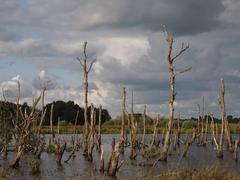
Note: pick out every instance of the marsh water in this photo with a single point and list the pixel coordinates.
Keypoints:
(80, 168)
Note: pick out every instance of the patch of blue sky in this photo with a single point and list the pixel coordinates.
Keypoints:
(11, 67)
(66, 77)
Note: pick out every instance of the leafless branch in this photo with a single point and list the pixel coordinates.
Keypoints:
(90, 67)
(184, 70)
(80, 61)
(183, 48)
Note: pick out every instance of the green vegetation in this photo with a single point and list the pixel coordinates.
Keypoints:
(116, 129)
(51, 149)
(151, 153)
(35, 166)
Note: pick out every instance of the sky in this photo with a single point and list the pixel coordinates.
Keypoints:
(40, 40)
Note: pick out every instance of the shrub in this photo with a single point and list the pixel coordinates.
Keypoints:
(51, 149)
(35, 166)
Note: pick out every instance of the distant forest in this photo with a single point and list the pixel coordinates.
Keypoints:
(66, 111)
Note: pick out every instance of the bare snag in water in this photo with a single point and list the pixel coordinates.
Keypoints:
(86, 70)
(173, 74)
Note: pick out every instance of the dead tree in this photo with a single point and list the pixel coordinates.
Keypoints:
(75, 123)
(51, 121)
(218, 142)
(23, 129)
(58, 126)
(189, 143)
(113, 164)
(144, 126)
(60, 150)
(99, 138)
(101, 168)
(154, 136)
(236, 150)
(91, 135)
(171, 59)
(205, 141)
(176, 143)
(133, 132)
(86, 70)
(222, 106)
(122, 142)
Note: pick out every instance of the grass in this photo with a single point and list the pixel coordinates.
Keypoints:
(51, 149)
(185, 174)
(116, 129)
(35, 166)
(151, 152)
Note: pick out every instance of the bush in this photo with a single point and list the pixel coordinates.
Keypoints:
(51, 149)
(35, 166)
(151, 153)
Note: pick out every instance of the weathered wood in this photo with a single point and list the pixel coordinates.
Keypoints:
(114, 159)
(224, 116)
(75, 123)
(154, 136)
(101, 169)
(123, 138)
(60, 150)
(236, 150)
(99, 137)
(90, 140)
(144, 126)
(133, 132)
(189, 143)
(51, 121)
(218, 143)
(86, 70)
(163, 156)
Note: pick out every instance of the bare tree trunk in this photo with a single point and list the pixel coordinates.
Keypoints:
(236, 150)
(51, 121)
(122, 142)
(189, 143)
(198, 128)
(206, 132)
(92, 134)
(58, 124)
(163, 156)
(99, 139)
(86, 70)
(113, 161)
(177, 136)
(154, 137)
(60, 151)
(223, 115)
(144, 126)
(218, 145)
(101, 169)
(75, 123)
(133, 132)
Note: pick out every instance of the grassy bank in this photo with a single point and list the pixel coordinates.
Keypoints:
(116, 129)
(185, 174)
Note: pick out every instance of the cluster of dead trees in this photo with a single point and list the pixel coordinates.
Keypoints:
(29, 140)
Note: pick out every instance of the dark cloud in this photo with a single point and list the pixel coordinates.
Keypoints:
(127, 40)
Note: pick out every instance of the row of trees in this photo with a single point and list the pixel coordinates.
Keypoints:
(65, 111)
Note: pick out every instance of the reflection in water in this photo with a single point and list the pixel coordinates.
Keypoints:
(79, 168)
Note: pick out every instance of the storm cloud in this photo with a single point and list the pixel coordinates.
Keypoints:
(128, 41)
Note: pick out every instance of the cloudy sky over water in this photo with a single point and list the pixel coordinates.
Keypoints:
(40, 40)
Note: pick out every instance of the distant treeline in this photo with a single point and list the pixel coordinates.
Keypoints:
(65, 111)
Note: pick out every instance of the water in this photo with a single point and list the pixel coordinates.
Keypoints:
(79, 168)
